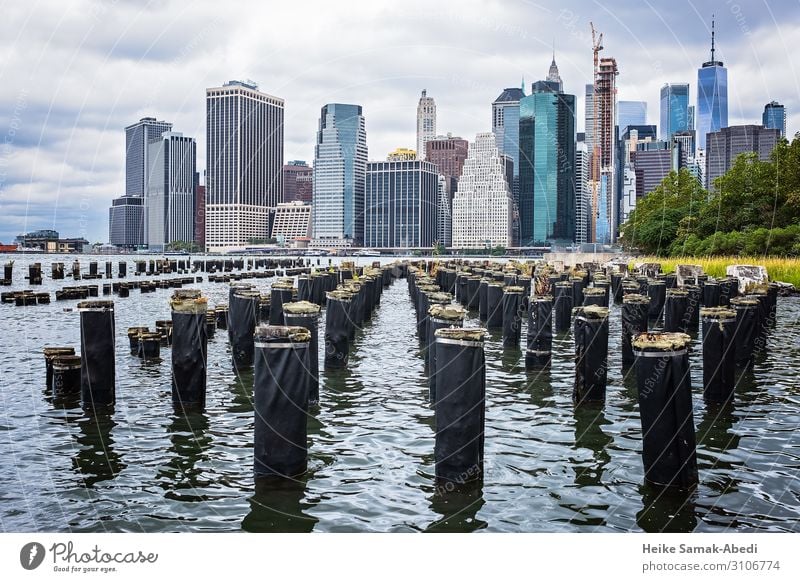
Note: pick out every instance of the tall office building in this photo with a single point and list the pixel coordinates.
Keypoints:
(426, 122)
(244, 162)
(631, 113)
(725, 145)
(674, 109)
(712, 96)
(444, 216)
(170, 203)
(126, 222)
(588, 119)
(582, 202)
(200, 216)
(774, 117)
(505, 126)
(547, 159)
(292, 221)
(449, 154)
(137, 165)
(401, 204)
(340, 167)
(482, 205)
(297, 181)
(630, 137)
(602, 181)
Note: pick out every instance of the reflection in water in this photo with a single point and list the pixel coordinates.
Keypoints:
(666, 510)
(242, 389)
(189, 440)
(278, 507)
(588, 435)
(342, 387)
(714, 440)
(458, 507)
(540, 385)
(96, 459)
(510, 360)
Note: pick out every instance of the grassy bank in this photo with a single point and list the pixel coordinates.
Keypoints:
(779, 269)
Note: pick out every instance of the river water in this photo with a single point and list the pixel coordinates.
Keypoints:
(549, 466)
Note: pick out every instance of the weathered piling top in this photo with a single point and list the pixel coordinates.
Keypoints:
(98, 305)
(464, 336)
(280, 335)
(592, 312)
(301, 308)
(718, 313)
(636, 298)
(339, 295)
(661, 342)
(190, 301)
(448, 312)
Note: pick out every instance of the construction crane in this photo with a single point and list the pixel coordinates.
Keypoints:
(597, 46)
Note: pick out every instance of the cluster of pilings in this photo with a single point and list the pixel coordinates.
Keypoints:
(657, 312)
(25, 297)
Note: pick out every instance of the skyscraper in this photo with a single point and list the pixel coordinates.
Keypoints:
(126, 222)
(712, 96)
(774, 117)
(444, 216)
(426, 122)
(297, 181)
(340, 167)
(725, 145)
(448, 153)
(170, 206)
(631, 113)
(244, 161)
(582, 203)
(547, 160)
(674, 109)
(401, 207)
(482, 205)
(602, 180)
(137, 137)
(629, 139)
(505, 126)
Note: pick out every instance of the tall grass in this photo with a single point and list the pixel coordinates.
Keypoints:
(778, 269)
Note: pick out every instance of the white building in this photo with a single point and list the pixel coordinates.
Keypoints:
(444, 216)
(292, 221)
(426, 122)
(582, 193)
(244, 161)
(482, 205)
(169, 209)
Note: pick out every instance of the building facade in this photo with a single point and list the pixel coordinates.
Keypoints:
(138, 137)
(244, 163)
(340, 167)
(170, 203)
(674, 109)
(605, 219)
(547, 174)
(774, 117)
(583, 208)
(426, 122)
(401, 154)
(292, 221)
(444, 216)
(298, 179)
(725, 145)
(631, 113)
(200, 216)
(402, 204)
(482, 205)
(712, 97)
(505, 126)
(126, 222)
(448, 153)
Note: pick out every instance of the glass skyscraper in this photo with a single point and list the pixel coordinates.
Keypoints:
(774, 117)
(547, 166)
(712, 97)
(631, 113)
(340, 167)
(674, 109)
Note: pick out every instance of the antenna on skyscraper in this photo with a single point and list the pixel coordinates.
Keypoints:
(712, 38)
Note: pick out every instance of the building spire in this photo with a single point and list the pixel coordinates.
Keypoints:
(712, 38)
(553, 75)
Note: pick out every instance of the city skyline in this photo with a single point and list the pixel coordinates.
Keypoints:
(64, 154)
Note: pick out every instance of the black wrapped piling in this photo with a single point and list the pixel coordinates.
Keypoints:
(540, 332)
(242, 317)
(149, 345)
(337, 332)
(440, 317)
(429, 299)
(280, 400)
(494, 305)
(694, 300)
(473, 297)
(635, 313)
(591, 353)
(728, 289)
(483, 298)
(577, 291)
(657, 292)
(306, 314)
(676, 306)
(357, 303)
(665, 406)
(264, 309)
(57, 271)
(164, 327)
(772, 293)
(280, 293)
(563, 294)
(304, 288)
(616, 287)
(98, 371)
(711, 293)
(122, 269)
(747, 330)
(66, 376)
(318, 288)
(512, 315)
(35, 273)
(133, 338)
(719, 353)
(595, 296)
(460, 405)
(8, 272)
(189, 349)
(50, 353)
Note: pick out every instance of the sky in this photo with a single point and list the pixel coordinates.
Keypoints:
(73, 74)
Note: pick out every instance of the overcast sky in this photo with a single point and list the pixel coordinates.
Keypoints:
(73, 74)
